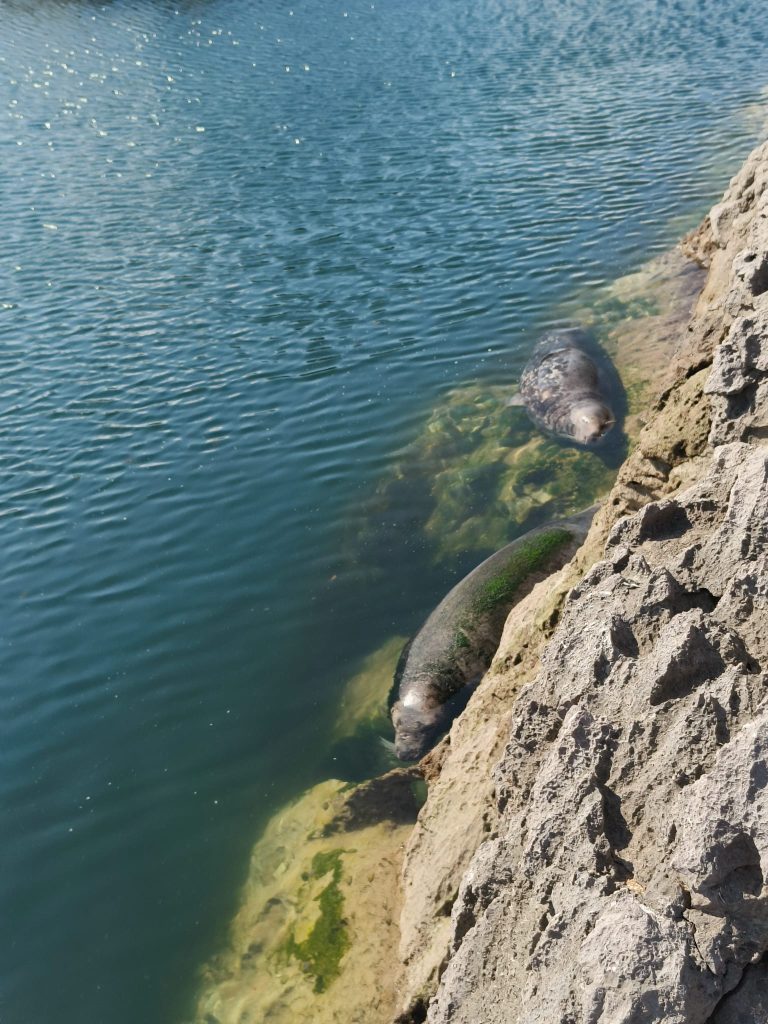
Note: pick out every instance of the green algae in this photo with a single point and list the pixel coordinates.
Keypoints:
(479, 473)
(637, 396)
(420, 791)
(461, 641)
(476, 635)
(530, 556)
(301, 946)
(612, 309)
(482, 473)
(512, 480)
(321, 952)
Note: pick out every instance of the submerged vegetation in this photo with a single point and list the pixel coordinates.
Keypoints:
(302, 947)
(321, 951)
(479, 473)
(358, 751)
(364, 710)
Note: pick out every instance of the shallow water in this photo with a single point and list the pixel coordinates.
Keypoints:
(245, 252)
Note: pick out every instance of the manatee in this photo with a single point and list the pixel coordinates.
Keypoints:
(440, 667)
(561, 389)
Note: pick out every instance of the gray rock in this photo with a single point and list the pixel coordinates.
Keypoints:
(626, 882)
(748, 1002)
(739, 382)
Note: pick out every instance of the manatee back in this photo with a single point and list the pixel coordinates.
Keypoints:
(553, 341)
(560, 376)
(560, 367)
(461, 635)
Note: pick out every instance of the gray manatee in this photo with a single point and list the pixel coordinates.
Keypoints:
(561, 389)
(443, 663)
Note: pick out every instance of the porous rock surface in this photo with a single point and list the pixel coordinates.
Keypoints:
(599, 815)
(626, 882)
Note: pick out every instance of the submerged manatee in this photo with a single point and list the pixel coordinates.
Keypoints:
(561, 389)
(438, 670)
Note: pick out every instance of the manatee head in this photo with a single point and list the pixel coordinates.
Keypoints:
(590, 419)
(416, 729)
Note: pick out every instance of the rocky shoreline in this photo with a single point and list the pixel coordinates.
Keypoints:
(594, 841)
(621, 877)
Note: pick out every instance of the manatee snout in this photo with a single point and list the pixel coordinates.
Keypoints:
(416, 729)
(591, 420)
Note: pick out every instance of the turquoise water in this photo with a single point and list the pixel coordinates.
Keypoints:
(246, 249)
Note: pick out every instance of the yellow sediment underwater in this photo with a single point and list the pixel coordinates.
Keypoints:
(364, 698)
(319, 904)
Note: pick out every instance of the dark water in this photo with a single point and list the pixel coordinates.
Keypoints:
(245, 249)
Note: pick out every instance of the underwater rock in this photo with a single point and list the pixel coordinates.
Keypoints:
(361, 745)
(479, 469)
(502, 476)
(320, 903)
(455, 645)
(364, 700)
(562, 391)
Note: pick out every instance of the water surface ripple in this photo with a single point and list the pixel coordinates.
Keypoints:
(246, 248)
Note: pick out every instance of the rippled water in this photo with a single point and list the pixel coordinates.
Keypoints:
(245, 250)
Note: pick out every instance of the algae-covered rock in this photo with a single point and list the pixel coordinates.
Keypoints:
(320, 941)
(361, 746)
(480, 473)
(512, 480)
(320, 902)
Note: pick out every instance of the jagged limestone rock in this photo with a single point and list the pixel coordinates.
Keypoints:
(646, 688)
(748, 1002)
